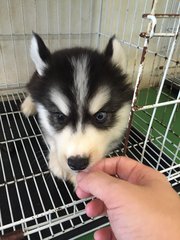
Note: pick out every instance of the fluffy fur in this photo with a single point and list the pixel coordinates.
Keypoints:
(83, 101)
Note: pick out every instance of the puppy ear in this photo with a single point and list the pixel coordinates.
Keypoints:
(115, 52)
(40, 54)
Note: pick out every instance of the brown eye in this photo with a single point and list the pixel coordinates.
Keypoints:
(60, 117)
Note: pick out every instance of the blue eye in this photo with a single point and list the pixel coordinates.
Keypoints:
(101, 117)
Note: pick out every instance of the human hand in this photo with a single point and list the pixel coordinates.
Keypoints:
(139, 201)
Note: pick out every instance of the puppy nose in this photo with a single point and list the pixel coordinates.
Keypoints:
(78, 163)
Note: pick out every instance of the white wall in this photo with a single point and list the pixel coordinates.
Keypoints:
(65, 23)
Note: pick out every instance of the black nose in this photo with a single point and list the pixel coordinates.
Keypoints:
(78, 163)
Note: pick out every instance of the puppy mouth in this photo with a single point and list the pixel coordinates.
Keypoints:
(80, 170)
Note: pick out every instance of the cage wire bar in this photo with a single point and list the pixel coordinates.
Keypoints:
(148, 36)
(150, 33)
(51, 217)
(160, 90)
(33, 203)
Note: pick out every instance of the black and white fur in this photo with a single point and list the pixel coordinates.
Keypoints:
(83, 101)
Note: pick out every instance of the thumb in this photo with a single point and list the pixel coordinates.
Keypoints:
(100, 185)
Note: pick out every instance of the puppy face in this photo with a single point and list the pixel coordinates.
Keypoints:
(83, 102)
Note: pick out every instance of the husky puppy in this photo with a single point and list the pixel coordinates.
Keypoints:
(82, 98)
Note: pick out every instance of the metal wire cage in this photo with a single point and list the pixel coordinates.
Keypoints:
(33, 203)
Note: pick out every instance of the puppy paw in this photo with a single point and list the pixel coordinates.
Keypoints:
(28, 107)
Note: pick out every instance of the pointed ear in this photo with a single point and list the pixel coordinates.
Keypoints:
(40, 54)
(115, 52)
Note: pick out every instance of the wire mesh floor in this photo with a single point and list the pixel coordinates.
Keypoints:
(32, 200)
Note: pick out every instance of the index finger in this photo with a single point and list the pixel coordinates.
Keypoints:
(127, 169)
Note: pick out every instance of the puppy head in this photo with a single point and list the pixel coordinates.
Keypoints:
(83, 101)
